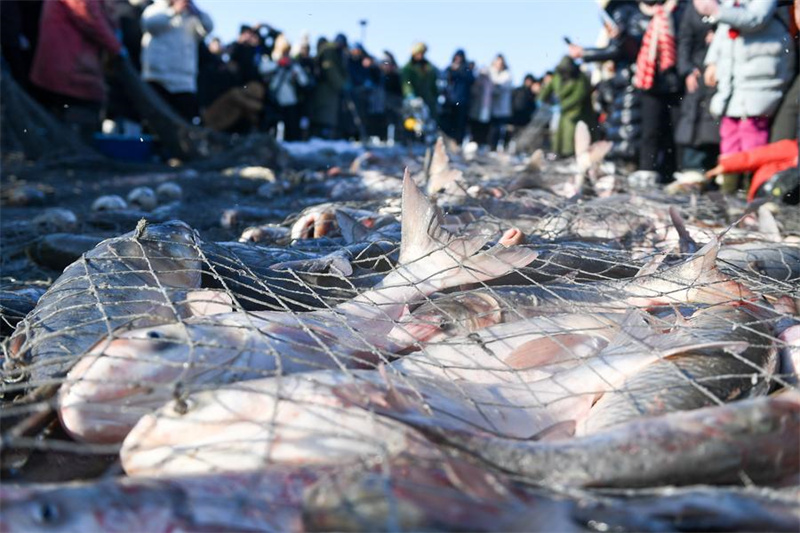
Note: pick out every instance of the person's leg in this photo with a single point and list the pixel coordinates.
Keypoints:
(730, 142)
(753, 132)
(652, 114)
(291, 120)
(670, 152)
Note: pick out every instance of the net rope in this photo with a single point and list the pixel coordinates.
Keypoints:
(283, 380)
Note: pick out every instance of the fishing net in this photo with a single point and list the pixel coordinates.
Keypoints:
(627, 365)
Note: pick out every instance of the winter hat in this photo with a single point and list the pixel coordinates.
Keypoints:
(418, 48)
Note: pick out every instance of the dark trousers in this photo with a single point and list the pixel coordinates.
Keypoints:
(454, 121)
(497, 131)
(479, 131)
(701, 158)
(657, 152)
(185, 104)
(290, 115)
(81, 116)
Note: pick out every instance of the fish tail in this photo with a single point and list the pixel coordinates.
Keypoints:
(429, 253)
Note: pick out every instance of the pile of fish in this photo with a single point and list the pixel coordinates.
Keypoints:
(485, 343)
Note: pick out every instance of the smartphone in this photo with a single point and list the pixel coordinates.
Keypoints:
(567, 40)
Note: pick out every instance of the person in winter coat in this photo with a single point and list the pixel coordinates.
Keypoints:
(523, 101)
(480, 107)
(374, 96)
(657, 78)
(393, 86)
(697, 131)
(286, 80)
(787, 119)
(573, 91)
(332, 76)
(419, 79)
(750, 61)
(502, 86)
(458, 78)
(68, 63)
(172, 32)
(620, 100)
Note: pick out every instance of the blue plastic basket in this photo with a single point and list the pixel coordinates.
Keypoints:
(125, 147)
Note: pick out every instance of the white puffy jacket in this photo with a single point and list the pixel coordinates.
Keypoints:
(169, 46)
(753, 68)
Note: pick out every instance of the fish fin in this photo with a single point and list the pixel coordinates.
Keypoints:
(549, 350)
(207, 302)
(560, 430)
(439, 162)
(599, 150)
(440, 175)
(767, 223)
(473, 480)
(334, 263)
(357, 163)
(302, 226)
(687, 244)
(535, 161)
(352, 230)
(583, 140)
(429, 253)
(651, 266)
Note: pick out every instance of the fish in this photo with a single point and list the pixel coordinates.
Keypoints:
(15, 304)
(756, 439)
(140, 369)
(234, 217)
(131, 278)
(59, 250)
(434, 491)
(418, 490)
(696, 378)
(692, 282)
(339, 416)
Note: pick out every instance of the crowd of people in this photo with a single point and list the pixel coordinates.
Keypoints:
(675, 84)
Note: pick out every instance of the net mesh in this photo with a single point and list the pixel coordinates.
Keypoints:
(598, 375)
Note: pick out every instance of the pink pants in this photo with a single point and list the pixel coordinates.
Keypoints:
(742, 134)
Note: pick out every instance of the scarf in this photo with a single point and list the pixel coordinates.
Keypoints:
(658, 44)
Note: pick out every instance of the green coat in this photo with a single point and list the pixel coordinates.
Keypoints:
(574, 96)
(419, 79)
(328, 92)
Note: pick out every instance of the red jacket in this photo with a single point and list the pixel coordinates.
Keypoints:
(764, 161)
(72, 36)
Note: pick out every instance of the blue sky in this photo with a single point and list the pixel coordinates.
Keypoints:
(529, 33)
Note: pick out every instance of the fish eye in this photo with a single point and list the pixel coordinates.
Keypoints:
(47, 513)
(153, 334)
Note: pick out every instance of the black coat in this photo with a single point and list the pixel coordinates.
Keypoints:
(696, 126)
(617, 97)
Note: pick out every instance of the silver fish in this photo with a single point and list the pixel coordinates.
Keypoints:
(140, 369)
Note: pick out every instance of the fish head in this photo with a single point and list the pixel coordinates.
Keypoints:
(122, 378)
(87, 507)
(26, 509)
